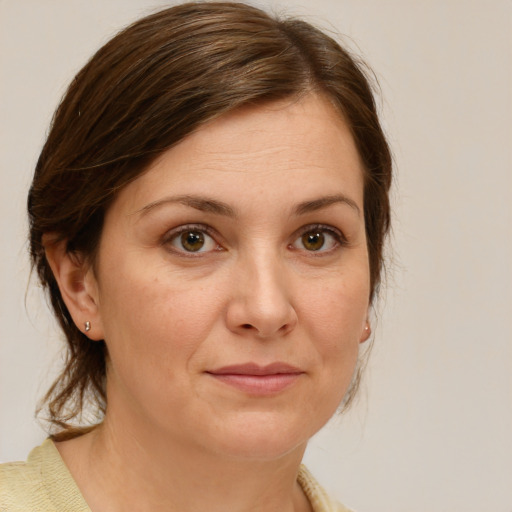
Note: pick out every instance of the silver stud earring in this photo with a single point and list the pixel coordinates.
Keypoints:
(87, 326)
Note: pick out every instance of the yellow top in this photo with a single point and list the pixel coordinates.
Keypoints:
(44, 484)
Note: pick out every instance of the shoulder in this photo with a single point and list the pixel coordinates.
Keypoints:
(21, 486)
(316, 494)
(41, 484)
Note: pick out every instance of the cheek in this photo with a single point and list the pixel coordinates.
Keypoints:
(338, 309)
(336, 314)
(151, 323)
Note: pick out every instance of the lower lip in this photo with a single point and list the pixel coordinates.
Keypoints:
(259, 384)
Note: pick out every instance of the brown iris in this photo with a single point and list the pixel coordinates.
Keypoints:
(192, 241)
(313, 240)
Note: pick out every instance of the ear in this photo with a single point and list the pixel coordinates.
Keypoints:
(367, 331)
(77, 285)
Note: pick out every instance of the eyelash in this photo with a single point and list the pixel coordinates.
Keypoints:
(339, 237)
(198, 228)
(173, 235)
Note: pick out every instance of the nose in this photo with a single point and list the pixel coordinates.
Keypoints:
(262, 300)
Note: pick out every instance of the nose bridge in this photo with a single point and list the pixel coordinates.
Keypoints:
(263, 302)
(266, 279)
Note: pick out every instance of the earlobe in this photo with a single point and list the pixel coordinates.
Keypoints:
(367, 332)
(77, 286)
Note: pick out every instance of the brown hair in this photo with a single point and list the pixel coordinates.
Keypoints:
(144, 91)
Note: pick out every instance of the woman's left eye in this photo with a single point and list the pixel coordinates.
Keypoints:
(192, 240)
(318, 239)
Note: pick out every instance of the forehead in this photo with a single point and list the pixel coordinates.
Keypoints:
(298, 146)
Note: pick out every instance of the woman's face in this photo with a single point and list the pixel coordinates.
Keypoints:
(232, 283)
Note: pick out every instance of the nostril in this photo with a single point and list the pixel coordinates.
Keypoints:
(246, 326)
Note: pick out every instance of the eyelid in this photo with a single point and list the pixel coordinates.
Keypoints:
(323, 227)
(172, 234)
(338, 235)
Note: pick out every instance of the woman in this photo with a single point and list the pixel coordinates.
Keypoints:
(208, 215)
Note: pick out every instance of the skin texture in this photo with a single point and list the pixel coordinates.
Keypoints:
(247, 190)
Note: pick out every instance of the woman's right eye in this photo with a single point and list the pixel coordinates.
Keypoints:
(192, 240)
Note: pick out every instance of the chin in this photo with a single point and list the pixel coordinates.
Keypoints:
(261, 448)
(262, 436)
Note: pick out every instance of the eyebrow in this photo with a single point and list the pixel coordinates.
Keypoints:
(205, 204)
(324, 202)
(199, 203)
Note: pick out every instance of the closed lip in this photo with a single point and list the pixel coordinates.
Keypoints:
(258, 380)
(257, 370)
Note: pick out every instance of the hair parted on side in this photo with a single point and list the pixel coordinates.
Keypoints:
(149, 87)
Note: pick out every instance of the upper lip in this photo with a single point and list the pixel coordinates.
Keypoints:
(256, 369)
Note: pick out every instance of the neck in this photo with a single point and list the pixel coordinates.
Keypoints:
(127, 468)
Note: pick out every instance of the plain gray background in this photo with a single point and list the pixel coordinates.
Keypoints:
(433, 427)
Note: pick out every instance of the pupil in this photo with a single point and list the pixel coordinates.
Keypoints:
(192, 240)
(313, 241)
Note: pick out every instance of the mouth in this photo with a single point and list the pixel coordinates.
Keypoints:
(258, 380)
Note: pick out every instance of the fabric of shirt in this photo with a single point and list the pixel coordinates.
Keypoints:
(44, 484)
